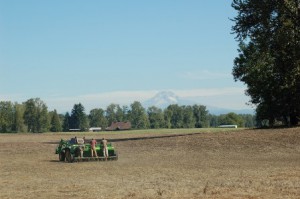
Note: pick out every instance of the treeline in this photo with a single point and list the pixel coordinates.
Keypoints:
(33, 116)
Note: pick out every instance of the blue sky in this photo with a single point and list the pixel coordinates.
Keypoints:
(99, 52)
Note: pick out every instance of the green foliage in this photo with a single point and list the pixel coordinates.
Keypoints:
(269, 56)
(201, 116)
(231, 119)
(242, 120)
(167, 118)
(114, 113)
(188, 117)
(97, 118)
(120, 114)
(213, 120)
(111, 113)
(78, 119)
(36, 116)
(248, 120)
(176, 113)
(19, 125)
(156, 117)
(55, 125)
(125, 112)
(7, 113)
(138, 116)
(66, 122)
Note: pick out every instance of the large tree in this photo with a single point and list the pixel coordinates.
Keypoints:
(201, 116)
(167, 118)
(66, 122)
(138, 116)
(111, 115)
(156, 117)
(231, 119)
(78, 119)
(97, 118)
(268, 32)
(6, 116)
(188, 117)
(19, 125)
(176, 116)
(55, 124)
(36, 115)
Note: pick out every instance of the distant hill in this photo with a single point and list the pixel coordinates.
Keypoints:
(165, 98)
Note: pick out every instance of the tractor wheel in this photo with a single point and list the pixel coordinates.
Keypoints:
(69, 156)
(77, 152)
(62, 156)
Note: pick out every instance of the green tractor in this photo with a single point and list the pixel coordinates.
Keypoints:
(77, 150)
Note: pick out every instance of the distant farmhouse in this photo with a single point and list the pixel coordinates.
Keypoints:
(115, 126)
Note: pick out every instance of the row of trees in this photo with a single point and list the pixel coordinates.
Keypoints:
(33, 116)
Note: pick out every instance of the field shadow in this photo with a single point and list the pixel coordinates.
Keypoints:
(55, 161)
(150, 137)
(134, 138)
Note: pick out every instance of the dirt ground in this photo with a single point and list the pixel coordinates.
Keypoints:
(240, 164)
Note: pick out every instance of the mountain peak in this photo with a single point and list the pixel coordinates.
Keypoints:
(166, 95)
(165, 98)
(162, 99)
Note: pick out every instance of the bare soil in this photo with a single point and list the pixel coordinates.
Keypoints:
(239, 164)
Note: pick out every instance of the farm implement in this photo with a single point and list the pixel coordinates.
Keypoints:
(75, 150)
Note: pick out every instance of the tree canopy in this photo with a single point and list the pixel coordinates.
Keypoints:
(268, 32)
(78, 118)
(55, 122)
(97, 118)
(36, 115)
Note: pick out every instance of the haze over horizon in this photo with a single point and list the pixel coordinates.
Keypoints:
(102, 52)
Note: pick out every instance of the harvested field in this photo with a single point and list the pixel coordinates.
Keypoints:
(238, 164)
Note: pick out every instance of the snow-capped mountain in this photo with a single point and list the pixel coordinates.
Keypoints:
(162, 100)
(165, 98)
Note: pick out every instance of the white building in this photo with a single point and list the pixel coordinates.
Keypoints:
(95, 129)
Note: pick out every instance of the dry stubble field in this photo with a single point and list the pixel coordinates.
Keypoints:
(238, 164)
